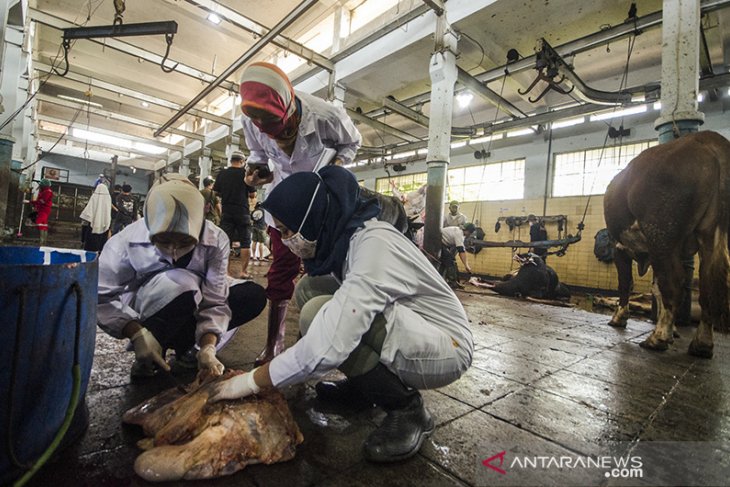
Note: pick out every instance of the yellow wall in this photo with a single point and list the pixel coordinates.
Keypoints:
(578, 267)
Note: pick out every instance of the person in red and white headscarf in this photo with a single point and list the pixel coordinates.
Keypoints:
(296, 132)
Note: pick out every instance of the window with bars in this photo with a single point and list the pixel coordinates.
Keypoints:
(488, 182)
(405, 183)
(484, 182)
(590, 171)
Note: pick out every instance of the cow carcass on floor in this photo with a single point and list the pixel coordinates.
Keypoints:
(671, 202)
(188, 438)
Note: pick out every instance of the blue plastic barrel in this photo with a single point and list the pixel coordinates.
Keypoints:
(48, 304)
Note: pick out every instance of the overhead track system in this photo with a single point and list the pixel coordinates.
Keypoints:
(247, 56)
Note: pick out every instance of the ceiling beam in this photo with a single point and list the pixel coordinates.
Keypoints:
(137, 95)
(260, 30)
(298, 11)
(80, 125)
(480, 89)
(130, 49)
(435, 5)
(114, 115)
(403, 110)
(378, 125)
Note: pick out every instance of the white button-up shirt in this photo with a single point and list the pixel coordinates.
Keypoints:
(130, 260)
(383, 273)
(452, 237)
(322, 125)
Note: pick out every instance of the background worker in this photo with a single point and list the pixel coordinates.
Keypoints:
(389, 339)
(42, 205)
(454, 218)
(231, 186)
(297, 132)
(452, 243)
(213, 208)
(163, 282)
(127, 209)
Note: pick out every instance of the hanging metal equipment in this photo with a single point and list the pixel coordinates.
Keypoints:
(168, 28)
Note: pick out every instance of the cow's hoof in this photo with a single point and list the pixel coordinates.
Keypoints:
(700, 350)
(617, 323)
(653, 344)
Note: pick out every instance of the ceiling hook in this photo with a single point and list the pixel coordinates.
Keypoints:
(168, 39)
(66, 47)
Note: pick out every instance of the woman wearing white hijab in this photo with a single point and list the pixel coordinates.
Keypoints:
(163, 281)
(97, 216)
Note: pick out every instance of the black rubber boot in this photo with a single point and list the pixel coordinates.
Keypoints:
(407, 424)
(343, 392)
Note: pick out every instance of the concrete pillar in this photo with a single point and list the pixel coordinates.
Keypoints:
(184, 167)
(205, 164)
(443, 78)
(680, 69)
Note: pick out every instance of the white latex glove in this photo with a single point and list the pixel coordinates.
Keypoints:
(235, 388)
(208, 361)
(147, 349)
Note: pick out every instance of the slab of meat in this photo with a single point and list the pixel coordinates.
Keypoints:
(191, 439)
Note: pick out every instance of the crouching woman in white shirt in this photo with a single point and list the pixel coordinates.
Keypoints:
(163, 282)
(372, 306)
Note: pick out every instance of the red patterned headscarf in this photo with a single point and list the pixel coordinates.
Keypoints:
(266, 87)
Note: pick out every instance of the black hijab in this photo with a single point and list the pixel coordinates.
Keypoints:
(336, 213)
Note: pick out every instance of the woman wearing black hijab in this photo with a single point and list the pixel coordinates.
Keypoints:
(372, 306)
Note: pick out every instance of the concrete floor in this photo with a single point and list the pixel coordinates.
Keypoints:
(545, 381)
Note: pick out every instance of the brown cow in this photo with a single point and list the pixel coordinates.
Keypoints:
(673, 200)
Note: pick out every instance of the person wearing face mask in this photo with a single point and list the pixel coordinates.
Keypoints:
(163, 282)
(295, 132)
(371, 305)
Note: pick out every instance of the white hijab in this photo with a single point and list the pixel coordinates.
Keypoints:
(174, 204)
(98, 211)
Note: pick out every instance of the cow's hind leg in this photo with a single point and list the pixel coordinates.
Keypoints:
(668, 276)
(714, 264)
(625, 283)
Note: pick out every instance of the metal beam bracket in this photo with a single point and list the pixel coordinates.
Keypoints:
(168, 28)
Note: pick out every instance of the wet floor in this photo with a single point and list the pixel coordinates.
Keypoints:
(546, 382)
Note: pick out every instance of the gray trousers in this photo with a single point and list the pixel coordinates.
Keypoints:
(311, 293)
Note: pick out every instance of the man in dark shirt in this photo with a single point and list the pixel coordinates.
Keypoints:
(236, 218)
(117, 191)
(537, 234)
(126, 209)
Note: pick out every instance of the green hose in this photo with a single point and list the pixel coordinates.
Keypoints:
(70, 411)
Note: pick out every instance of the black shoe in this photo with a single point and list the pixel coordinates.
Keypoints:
(341, 392)
(401, 434)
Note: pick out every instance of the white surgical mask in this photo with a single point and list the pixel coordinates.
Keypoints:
(174, 252)
(300, 246)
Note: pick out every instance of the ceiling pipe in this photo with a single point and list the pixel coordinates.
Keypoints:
(247, 56)
(715, 82)
(568, 49)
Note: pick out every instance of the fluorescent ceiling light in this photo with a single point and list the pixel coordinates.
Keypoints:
(517, 133)
(148, 148)
(103, 138)
(79, 100)
(144, 104)
(657, 105)
(486, 138)
(403, 155)
(456, 145)
(700, 97)
(569, 122)
(618, 113)
(214, 18)
(464, 98)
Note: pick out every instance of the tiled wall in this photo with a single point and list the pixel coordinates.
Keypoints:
(577, 267)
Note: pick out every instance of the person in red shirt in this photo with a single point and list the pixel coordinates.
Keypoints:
(42, 205)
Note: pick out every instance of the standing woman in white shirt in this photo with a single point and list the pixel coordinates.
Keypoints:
(371, 306)
(295, 132)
